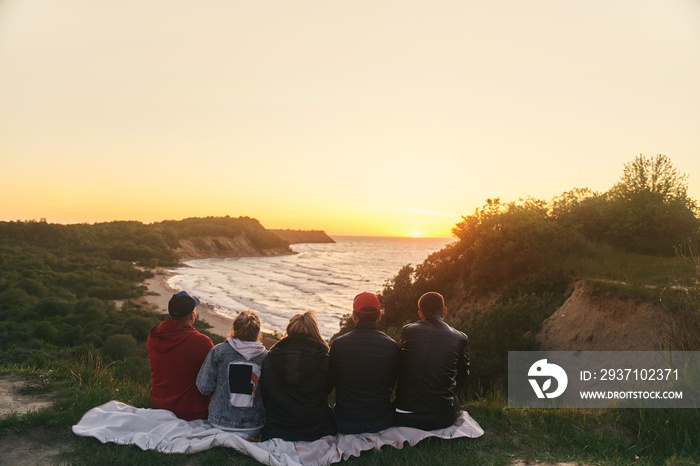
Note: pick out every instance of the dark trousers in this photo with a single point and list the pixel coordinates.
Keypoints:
(425, 421)
(364, 427)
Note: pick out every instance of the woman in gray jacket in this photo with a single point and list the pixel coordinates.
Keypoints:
(230, 372)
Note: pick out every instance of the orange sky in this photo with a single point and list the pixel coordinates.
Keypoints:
(364, 117)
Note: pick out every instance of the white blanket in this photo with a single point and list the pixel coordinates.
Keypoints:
(158, 429)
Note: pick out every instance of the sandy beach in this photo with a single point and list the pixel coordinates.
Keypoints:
(159, 294)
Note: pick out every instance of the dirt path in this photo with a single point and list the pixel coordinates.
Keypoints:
(38, 446)
(12, 401)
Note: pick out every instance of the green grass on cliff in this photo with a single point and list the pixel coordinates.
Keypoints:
(613, 436)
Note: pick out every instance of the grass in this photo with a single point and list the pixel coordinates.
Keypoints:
(671, 281)
(606, 264)
(611, 436)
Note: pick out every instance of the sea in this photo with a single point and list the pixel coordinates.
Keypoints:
(321, 277)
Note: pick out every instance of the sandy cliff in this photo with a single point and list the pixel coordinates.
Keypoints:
(303, 236)
(222, 246)
(593, 320)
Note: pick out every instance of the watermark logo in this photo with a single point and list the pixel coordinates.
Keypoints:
(541, 369)
(604, 379)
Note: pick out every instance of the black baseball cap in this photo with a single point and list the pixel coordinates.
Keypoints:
(181, 304)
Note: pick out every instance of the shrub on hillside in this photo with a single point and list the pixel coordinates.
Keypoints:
(119, 347)
(45, 331)
(500, 243)
(398, 299)
(138, 327)
(91, 310)
(506, 326)
(53, 306)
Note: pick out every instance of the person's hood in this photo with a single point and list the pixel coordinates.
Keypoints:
(247, 349)
(169, 334)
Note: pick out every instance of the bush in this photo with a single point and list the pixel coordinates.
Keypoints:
(15, 299)
(506, 326)
(346, 325)
(119, 347)
(109, 292)
(33, 287)
(138, 327)
(45, 331)
(90, 310)
(53, 306)
(504, 242)
(399, 299)
(92, 339)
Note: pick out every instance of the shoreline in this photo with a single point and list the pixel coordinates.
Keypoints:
(159, 293)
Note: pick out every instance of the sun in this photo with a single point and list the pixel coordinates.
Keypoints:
(415, 234)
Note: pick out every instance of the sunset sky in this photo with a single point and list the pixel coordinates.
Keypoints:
(355, 117)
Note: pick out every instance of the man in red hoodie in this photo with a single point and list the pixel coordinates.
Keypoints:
(176, 352)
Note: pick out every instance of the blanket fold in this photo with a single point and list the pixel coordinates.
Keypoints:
(161, 430)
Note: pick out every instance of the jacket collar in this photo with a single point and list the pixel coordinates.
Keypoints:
(367, 324)
(434, 318)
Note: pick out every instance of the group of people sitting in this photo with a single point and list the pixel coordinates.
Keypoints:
(240, 386)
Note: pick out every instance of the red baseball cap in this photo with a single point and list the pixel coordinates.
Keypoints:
(366, 300)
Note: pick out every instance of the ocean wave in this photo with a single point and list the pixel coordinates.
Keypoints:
(322, 277)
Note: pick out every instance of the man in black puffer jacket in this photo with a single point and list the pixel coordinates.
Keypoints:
(434, 362)
(364, 364)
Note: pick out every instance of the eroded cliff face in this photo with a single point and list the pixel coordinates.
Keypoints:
(240, 246)
(303, 236)
(592, 320)
(222, 246)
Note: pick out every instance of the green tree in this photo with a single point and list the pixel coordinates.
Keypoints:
(648, 211)
(500, 244)
(656, 176)
(399, 299)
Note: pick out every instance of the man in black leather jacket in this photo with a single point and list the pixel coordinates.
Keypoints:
(433, 362)
(364, 364)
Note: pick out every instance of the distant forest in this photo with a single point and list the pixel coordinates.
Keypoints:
(60, 284)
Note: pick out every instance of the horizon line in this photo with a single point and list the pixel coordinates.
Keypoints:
(44, 220)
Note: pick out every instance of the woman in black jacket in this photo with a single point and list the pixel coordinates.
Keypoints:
(295, 383)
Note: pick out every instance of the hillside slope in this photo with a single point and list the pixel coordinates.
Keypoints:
(222, 246)
(593, 320)
(303, 236)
